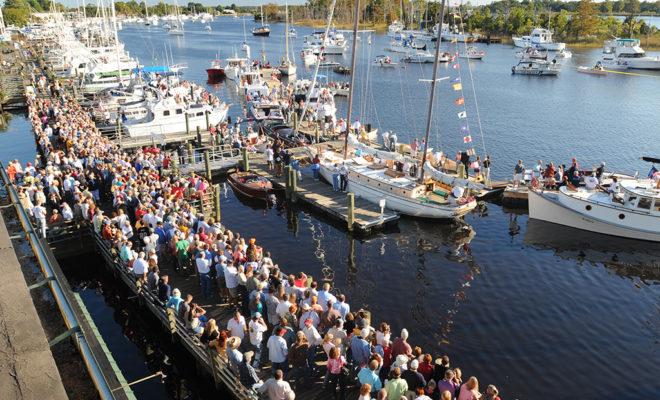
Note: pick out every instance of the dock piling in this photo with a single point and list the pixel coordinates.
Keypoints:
(207, 165)
(295, 121)
(293, 175)
(246, 159)
(461, 171)
(287, 182)
(208, 122)
(187, 124)
(199, 137)
(316, 133)
(191, 154)
(351, 211)
(216, 200)
(175, 164)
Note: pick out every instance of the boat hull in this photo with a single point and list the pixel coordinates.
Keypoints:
(214, 73)
(257, 191)
(548, 207)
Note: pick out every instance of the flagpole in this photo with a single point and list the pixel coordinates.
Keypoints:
(433, 82)
(352, 78)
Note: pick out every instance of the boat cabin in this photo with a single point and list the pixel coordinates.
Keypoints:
(641, 196)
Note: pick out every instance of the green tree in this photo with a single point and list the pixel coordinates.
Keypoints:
(16, 16)
(586, 20)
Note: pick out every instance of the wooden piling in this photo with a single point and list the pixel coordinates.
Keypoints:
(316, 133)
(175, 164)
(199, 137)
(191, 155)
(208, 121)
(351, 211)
(295, 121)
(187, 124)
(287, 182)
(207, 165)
(216, 198)
(246, 159)
(461, 171)
(293, 185)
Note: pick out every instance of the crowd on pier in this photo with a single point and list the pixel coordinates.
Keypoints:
(284, 323)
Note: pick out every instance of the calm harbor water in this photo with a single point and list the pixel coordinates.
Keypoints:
(539, 310)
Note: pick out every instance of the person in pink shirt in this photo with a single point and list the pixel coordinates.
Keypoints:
(470, 390)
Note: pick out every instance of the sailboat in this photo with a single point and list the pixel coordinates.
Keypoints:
(245, 47)
(292, 30)
(147, 21)
(264, 29)
(177, 25)
(287, 68)
(377, 175)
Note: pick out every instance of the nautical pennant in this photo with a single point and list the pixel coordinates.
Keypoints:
(462, 114)
(456, 54)
(470, 152)
(453, 40)
(457, 79)
(456, 66)
(465, 128)
(467, 139)
(460, 101)
(457, 86)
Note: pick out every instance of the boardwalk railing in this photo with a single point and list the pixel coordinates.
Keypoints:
(215, 364)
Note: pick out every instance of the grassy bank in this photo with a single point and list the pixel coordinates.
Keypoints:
(321, 23)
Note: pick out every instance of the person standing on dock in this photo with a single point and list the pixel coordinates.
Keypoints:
(203, 264)
(39, 213)
(277, 352)
(518, 171)
(486, 169)
(335, 177)
(343, 178)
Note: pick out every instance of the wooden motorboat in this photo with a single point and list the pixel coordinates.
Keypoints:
(250, 184)
(592, 71)
(340, 69)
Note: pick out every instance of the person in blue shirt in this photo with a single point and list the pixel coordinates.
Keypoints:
(175, 300)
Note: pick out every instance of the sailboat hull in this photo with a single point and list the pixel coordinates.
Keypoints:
(287, 69)
(261, 33)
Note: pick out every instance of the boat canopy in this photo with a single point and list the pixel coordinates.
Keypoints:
(153, 69)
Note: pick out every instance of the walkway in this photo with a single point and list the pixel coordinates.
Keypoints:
(28, 370)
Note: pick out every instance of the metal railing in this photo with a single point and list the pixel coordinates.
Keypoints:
(215, 364)
(56, 287)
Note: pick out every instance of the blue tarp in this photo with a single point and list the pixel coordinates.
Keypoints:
(158, 69)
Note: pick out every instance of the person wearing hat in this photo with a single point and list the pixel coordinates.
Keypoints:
(278, 351)
(308, 313)
(314, 339)
(233, 354)
(413, 378)
(247, 374)
(256, 328)
(277, 388)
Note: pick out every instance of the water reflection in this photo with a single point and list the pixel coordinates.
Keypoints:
(626, 258)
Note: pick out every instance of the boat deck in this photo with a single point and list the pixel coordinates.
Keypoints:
(321, 196)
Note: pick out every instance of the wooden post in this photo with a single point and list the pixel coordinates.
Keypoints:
(171, 317)
(246, 159)
(351, 216)
(191, 155)
(208, 121)
(218, 141)
(316, 133)
(287, 182)
(216, 197)
(295, 121)
(293, 184)
(175, 164)
(207, 165)
(187, 124)
(119, 130)
(461, 171)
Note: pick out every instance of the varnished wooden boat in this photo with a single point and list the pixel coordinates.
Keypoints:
(250, 184)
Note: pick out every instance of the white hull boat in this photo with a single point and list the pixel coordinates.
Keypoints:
(629, 53)
(165, 118)
(597, 212)
(540, 37)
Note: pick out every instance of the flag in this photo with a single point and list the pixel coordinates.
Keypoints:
(465, 128)
(470, 152)
(652, 172)
(458, 86)
(462, 114)
(460, 101)
(453, 40)
(474, 165)
(455, 4)
(456, 54)
(467, 139)
(457, 79)
(456, 66)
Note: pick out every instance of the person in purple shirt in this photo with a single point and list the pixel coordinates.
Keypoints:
(448, 384)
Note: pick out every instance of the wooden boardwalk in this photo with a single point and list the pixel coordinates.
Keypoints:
(323, 197)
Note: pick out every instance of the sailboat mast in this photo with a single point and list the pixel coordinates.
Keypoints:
(433, 82)
(286, 31)
(114, 22)
(352, 77)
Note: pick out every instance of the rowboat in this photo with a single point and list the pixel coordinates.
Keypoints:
(250, 184)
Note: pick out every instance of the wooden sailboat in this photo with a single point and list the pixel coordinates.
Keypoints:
(264, 29)
(287, 68)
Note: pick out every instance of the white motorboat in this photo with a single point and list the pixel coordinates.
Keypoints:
(632, 213)
(628, 51)
(451, 34)
(395, 28)
(472, 53)
(308, 56)
(419, 57)
(384, 61)
(532, 53)
(541, 37)
(167, 116)
(234, 66)
(535, 67)
(599, 71)
(563, 53)
(334, 43)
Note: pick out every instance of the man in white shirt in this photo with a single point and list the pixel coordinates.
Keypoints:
(308, 313)
(40, 215)
(283, 307)
(257, 327)
(276, 388)
(203, 263)
(236, 326)
(140, 266)
(231, 279)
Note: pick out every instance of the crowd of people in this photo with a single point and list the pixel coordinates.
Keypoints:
(286, 322)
